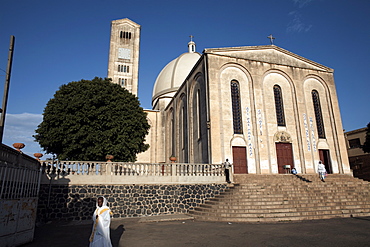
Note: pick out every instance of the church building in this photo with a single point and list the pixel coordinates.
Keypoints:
(264, 108)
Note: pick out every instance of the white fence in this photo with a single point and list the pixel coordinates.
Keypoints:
(92, 172)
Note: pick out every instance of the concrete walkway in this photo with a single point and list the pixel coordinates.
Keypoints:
(182, 230)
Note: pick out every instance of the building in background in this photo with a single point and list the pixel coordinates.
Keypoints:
(358, 160)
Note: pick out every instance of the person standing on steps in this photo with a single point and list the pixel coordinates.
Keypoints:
(227, 170)
(321, 170)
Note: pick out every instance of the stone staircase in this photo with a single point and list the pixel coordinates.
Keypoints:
(266, 198)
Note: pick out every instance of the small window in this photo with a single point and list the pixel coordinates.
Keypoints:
(128, 69)
(122, 82)
(354, 143)
(125, 35)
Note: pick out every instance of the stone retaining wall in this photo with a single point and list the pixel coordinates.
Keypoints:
(77, 202)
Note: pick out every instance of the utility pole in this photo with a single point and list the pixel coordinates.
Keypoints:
(6, 87)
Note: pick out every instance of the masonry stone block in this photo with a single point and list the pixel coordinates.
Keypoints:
(77, 202)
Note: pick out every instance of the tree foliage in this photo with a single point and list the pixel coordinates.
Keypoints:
(88, 119)
(366, 146)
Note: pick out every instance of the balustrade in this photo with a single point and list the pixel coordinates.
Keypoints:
(92, 172)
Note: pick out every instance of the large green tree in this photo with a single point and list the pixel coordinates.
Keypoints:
(88, 119)
(366, 146)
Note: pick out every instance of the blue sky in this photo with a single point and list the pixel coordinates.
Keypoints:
(62, 41)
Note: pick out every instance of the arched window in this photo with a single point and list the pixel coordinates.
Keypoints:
(237, 116)
(183, 130)
(279, 106)
(128, 69)
(318, 114)
(172, 134)
(119, 68)
(125, 35)
(198, 114)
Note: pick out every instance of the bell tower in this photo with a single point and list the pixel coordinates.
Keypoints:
(123, 61)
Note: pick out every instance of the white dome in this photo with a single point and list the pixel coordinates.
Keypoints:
(174, 73)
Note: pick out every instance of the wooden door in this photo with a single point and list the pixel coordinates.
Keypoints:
(240, 160)
(284, 155)
(325, 159)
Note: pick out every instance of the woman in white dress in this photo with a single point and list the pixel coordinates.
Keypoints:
(100, 236)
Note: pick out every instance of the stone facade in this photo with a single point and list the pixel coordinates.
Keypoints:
(123, 64)
(77, 202)
(199, 124)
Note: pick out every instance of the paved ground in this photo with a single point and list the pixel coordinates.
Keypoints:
(167, 231)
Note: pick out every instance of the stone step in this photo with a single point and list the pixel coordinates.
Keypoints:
(292, 194)
(304, 207)
(273, 197)
(333, 188)
(288, 197)
(301, 196)
(262, 209)
(308, 186)
(287, 202)
(275, 214)
(250, 178)
(312, 184)
(277, 219)
(253, 205)
(295, 191)
(318, 202)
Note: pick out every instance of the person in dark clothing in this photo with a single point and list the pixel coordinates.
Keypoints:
(227, 170)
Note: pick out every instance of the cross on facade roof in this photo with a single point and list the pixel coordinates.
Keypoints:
(271, 39)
